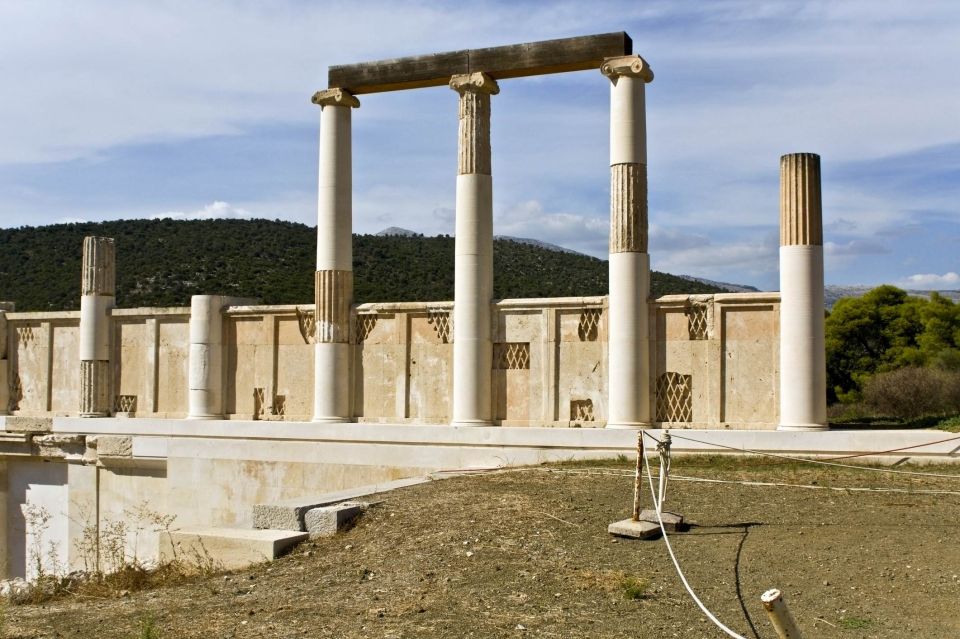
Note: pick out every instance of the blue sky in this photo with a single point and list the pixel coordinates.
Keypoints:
(140, 109)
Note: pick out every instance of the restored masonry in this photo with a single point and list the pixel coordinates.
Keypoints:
(211, 412)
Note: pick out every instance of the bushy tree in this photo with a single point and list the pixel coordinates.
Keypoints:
(886, 330)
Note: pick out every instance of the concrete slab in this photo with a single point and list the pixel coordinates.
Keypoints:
(634, 529)
(289, 514)
(672, 522)
(226, 548)
(327, 521)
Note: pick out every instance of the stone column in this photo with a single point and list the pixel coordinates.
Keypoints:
(473, 262)
(97, 290)
(334, 275)
(628, 323)
(803, 385)
(206, 357)
(5, 307)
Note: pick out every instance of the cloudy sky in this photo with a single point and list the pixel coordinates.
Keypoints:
(121, 109)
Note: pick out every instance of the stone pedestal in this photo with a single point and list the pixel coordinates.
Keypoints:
(98, 284)
(206, 355)
(473, 278)
(629, 339)
(803, 387)
(334, 275)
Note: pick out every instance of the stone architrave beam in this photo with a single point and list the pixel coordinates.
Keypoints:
(513, 61)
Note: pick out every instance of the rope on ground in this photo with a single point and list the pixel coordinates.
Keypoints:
(818, 461)
(676, 564)
(895, 450)
(742, 482)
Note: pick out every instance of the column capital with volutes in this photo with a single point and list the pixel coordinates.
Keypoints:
(335, 97)
(478, 82)
(628, 66)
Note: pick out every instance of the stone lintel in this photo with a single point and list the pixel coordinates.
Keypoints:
(512, 61)
(630, 66)
(335, 97)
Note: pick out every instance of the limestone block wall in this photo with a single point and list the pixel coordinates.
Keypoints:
(151, 348)
(43, 356)
(717, 360)
(713, 362)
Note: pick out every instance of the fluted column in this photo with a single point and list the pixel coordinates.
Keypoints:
(473, 264)
(628, 405)
(803, 385)
(98, 280)
(334, 276)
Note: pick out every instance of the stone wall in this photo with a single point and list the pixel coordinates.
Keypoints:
(714, 362)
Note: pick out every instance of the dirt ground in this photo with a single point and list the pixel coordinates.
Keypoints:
(526, 554)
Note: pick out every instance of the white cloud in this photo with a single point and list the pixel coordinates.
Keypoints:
(931, 281)
(216, 211)
(855, 247)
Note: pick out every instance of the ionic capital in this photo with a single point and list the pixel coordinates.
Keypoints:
(629, 66)
(335, 97)
(478, 82)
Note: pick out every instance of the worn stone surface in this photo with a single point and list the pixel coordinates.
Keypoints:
(475, 90)
(71, 447)
(279, 517)
(628, 208)
(226, 548)
(634, 529)
(20, 424)
(673, 522)
(801, 210)
(99, 266)
(114, 446)
(334, 293)
(327, 521)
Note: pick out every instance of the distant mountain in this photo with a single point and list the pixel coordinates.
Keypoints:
(726, 286)
(164, 262)
(397, 231)
(833, 292)
(541, 244)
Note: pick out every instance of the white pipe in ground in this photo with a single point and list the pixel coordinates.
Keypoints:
(780, 615)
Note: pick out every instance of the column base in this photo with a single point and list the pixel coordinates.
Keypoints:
(206, 417)
(332, 420)
(472, 423)
(629, 425)
(104, 414)
(799, 427)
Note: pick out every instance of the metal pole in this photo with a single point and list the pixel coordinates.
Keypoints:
(637, 477)
(780, 615)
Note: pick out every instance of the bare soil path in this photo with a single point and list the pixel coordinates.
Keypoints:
(526, 554)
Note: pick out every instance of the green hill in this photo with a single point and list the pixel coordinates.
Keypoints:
(164, 262)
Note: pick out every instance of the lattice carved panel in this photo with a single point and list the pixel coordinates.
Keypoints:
(589, 326)
(440, 321)
(697, 322)
(509, 356)
(364, 326)
(581, 410)
(125, 404)
(674, 397)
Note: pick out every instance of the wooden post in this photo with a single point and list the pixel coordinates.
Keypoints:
(780, 615)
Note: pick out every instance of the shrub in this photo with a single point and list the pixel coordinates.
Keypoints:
(912, 392)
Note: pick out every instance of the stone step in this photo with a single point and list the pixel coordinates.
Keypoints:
(226, 548)
(289, 514)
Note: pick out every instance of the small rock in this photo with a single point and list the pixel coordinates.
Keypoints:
(469, 554)
(520, 626)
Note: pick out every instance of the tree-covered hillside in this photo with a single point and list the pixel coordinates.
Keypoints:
(164, 262)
